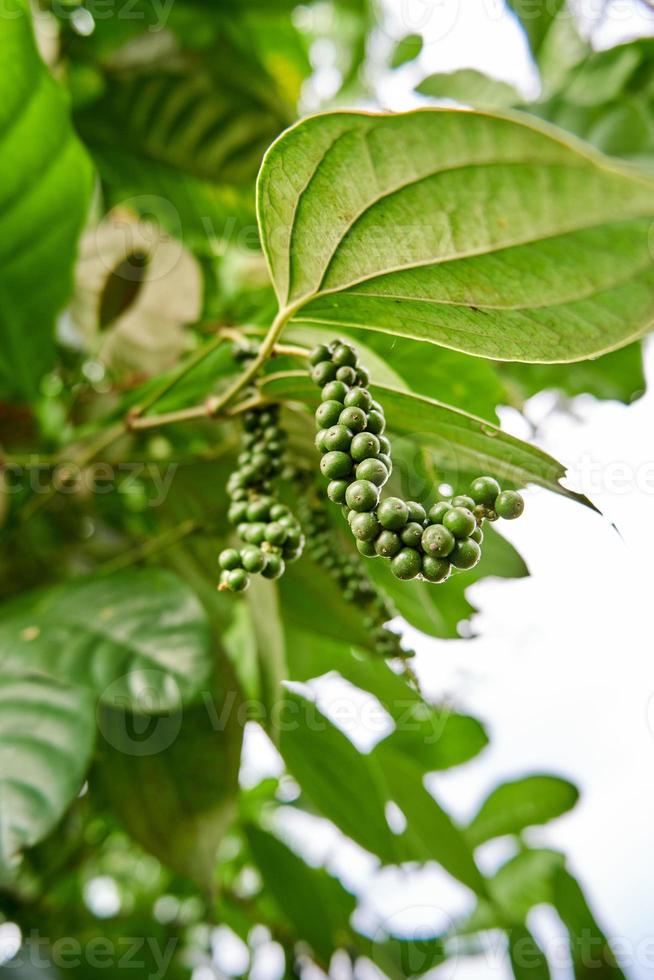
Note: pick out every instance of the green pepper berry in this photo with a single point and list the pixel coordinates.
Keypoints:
(276, 533)
(253, 559)
(318, 354)
(376, 422)
(337, 438)
(358, 398)
(237, 512)
(323, 372)
(435, 569)
(412, 534)
(365, 526)
(344, 356)
(347, 375)
(237, 580)
(393, 513)
(388, 544)
(362, 495)
(462, 500)
(229, 559)
(386, 460)
(277, 511)
(274, 567)
(336, 490)
(364, 445)
(335, 465)
(509, 505)
(437, 541)
(251, 421)
(366, 548)
(354, 418)
(466, 554)
(460, 521)
(406, 564)
(259, 510)
(334, 391)
(363, 377)
(255, 533)
(319, 440)
(327, 414)
(384, 445)
(484, 490)
(477, 535)
(417, 512)
(373, 470)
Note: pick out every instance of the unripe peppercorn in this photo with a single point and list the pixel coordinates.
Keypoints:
(460, 522)
(229, 559)
(365, 526)
(393, 513)
(484, 490)
(362, 495)
(373, 470)
(337, 438)
(509, 505)
(354, 418)
(406, 564)
(335, 465)
(466, 554)
(388, 544)
(364, 445)
(334, 391)
(437, 541)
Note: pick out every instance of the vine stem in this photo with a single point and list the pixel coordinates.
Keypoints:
(266, 349)
(211, 408)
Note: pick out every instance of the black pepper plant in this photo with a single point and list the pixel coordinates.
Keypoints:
(249, 378)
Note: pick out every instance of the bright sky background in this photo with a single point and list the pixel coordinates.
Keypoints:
(563, 669)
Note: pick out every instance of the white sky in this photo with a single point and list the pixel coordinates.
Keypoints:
(563, 671)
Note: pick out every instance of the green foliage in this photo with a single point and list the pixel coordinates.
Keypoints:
(46, 738)
(447, 273)
(142, 639)
(474, 259)
(45, 178)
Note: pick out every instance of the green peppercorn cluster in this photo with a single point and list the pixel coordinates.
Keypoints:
(349, 576)
(356, 459)
(271, 533)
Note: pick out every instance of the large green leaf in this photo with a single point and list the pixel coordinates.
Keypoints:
(46, 739)
(469, 86)
(590, 950)
(434, 736)
(537, 17)
(459, 441)
(342, 784)
(317, 905)
(528, 962)
(184, 137)
(491, 235)
(469, 383)
(430, 834)
(618, 375)
(172, 779)
(512, 807)
(140, 638)
(45, 186)
(440, 611)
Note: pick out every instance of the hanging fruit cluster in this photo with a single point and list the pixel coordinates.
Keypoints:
(271, 534)
(356, 459)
